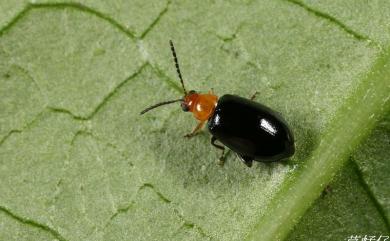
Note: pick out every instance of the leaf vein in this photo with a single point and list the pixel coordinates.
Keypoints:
(164, 199)
(370, 194)
(154, 23)
(28, 125)
(103, 102)
(331, 19)
(86, 9)
(32, 223)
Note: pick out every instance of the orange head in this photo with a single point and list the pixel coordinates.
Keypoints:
(201, 105)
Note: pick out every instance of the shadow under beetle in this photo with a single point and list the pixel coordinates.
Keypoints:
(253, 131)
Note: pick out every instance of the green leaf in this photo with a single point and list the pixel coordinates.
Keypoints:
(78, 162)
(357, 201)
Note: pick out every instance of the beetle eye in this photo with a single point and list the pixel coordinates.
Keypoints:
(184, 107)
(192, 92)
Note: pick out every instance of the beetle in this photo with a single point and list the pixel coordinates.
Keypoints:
(252, 130)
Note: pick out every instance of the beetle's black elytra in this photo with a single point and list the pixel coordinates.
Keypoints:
(250, 129)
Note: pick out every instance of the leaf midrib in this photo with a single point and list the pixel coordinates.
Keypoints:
(355, 119)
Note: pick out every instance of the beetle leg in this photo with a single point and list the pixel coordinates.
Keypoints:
(254, 95)
(195, 130)
(221, 158)
(211, 91)
(247, 160)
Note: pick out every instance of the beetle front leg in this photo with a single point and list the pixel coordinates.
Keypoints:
(221, 158)
(195, 130)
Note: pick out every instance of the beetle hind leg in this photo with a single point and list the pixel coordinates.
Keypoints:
(254, 95)
(221, 158)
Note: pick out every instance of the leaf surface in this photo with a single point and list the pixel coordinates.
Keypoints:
(78, 162)
(356, 201)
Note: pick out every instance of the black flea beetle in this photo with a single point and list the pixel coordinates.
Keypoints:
(252, 130)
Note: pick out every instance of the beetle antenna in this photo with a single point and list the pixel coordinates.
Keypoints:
(177, 66)
(159, 104)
